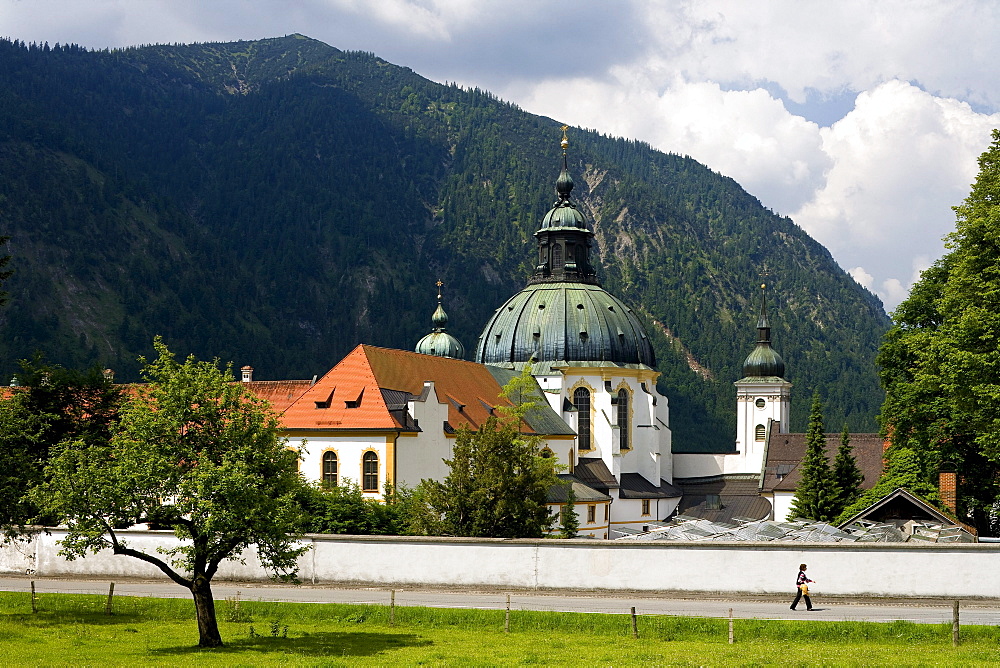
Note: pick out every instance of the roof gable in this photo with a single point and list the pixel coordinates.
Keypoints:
(902, 504)
(346, 397)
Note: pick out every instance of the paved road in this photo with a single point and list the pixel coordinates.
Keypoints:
(925, 611)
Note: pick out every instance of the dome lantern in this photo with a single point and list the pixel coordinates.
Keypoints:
(564, 239)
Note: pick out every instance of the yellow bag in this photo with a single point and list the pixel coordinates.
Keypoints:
(805, 589)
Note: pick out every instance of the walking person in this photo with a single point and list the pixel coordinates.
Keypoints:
(802, 588)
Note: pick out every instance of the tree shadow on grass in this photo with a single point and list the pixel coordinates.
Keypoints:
(311, 644)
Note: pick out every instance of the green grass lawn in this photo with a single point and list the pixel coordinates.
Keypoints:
(73, 630)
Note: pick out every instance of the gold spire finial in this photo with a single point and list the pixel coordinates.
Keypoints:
(439, 284)
(565, 140)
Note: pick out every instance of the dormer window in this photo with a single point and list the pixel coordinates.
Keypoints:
(325, 403)
(356, 403)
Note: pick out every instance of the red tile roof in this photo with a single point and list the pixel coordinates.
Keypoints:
(281, 393)
(349, 396)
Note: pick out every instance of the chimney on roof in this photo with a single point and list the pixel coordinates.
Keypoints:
(247, 373)
(948, 488)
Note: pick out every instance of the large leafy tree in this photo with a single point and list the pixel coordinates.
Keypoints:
(498, 478)
(816, 493)
(940, 363)
(196, 452)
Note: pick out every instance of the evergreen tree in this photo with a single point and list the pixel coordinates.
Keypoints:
(847, 477)
(816, 494)
(940, 363)
(569, 521)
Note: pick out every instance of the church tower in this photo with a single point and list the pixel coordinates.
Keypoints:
(762, 399)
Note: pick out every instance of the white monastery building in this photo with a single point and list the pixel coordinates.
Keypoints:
(388, 417)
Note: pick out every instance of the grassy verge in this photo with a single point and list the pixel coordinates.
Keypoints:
(73, 630)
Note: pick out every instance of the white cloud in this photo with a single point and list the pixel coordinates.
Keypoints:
(900, 160)
(862, 277)
(949, 47)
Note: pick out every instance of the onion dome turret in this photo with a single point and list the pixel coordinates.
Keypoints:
(763, 361)
(439, 342)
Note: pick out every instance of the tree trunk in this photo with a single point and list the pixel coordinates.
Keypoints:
(204, 605)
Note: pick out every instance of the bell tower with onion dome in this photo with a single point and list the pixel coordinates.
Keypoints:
(763, 397)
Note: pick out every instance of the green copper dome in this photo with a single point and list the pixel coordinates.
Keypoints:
(439, 342)
(564, 315)
(564, 322)
(763, 361)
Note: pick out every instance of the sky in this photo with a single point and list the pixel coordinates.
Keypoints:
(861, 121)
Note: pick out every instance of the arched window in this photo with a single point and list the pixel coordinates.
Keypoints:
(546, 453)
(330, 469)
(758, 433)
(623, 426)
(369, 472)
(557, 256)
(581, 401)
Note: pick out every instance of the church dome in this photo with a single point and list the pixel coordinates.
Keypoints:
(564, 315)
(439, 342)
(564, 322)
(764, 361)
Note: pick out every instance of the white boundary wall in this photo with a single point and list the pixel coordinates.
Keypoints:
(956, 570)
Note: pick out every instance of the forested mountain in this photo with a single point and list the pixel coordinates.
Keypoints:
(276, 202)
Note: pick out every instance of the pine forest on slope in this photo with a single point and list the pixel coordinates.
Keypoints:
(276, 202)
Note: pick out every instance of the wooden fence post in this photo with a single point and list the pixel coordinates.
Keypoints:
(635, 626)
(731, 639)
(954, 624)
(506, 618)
(111, 596)
(34, 605)
(392, 607)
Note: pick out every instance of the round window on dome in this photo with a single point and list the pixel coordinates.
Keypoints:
(760, 403)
